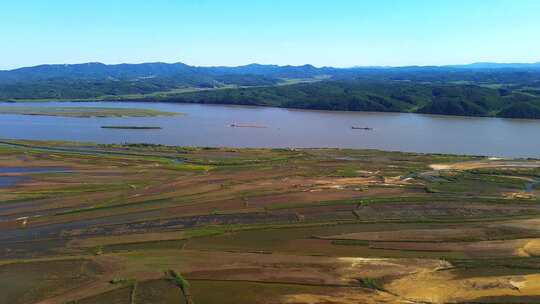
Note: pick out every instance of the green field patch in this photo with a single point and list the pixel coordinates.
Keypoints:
(350, 242)
(112, 206)
(236, 292)
(119, 295)
(33, 281)
(532, 263)
(359, 202)
(150, 245)
(371, 283)
(479, 184)
(160, 291)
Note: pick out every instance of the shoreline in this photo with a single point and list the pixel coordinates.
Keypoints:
(154, 101)
(84, 146)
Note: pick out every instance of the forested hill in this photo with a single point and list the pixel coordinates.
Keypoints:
(387, 96)
(480, 89)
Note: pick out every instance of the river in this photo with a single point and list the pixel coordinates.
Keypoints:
(210, 125)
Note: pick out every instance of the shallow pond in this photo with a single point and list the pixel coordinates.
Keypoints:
(12, 180)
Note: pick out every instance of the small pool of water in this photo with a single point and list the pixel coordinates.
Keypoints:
(529, 187)
(30, 170)
(13, 180)
(10, 181)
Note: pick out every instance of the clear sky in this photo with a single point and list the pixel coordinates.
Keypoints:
(236, 32)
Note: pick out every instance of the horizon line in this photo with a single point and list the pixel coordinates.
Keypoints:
(273, 64)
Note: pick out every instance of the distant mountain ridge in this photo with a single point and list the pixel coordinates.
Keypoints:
(96, 70)
(495, 65)
(157, 69)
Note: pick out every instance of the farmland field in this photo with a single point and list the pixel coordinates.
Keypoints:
(140, 223)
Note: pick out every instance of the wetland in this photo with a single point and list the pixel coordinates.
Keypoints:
(146, 223)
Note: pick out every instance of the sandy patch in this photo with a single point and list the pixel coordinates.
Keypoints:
(442, 287)
(530, 248)
(486, 164)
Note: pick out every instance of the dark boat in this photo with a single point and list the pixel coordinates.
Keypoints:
(361, 128)
(236, 125)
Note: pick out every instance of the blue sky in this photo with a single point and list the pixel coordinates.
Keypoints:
(236, 32)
